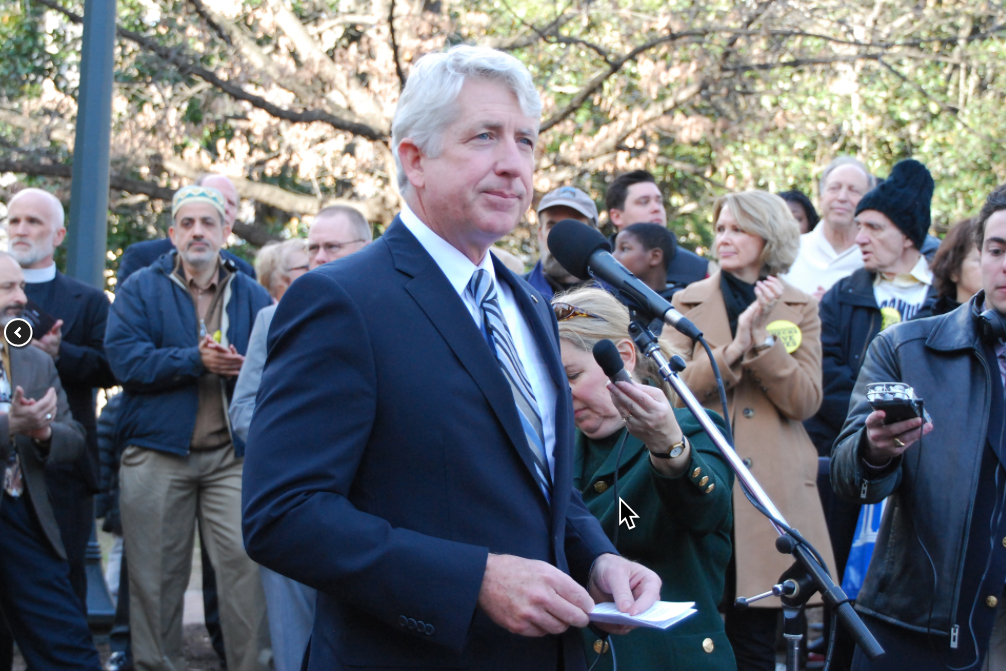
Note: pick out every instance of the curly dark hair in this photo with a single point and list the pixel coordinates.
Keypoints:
(801, 199)
(951, 254)
(994, 203)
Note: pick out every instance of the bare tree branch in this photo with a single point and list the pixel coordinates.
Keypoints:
(211, 22)
(358, 98)
(187, 67)
(394, 45)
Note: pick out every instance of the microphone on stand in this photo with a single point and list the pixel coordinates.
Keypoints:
(585, 253)
(607, 357)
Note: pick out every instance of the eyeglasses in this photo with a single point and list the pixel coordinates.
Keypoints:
(303, 267)
(564, 311)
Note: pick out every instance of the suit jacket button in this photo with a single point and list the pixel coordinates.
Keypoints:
(703, 481)
(420, 626)
(749, 413)
(991, 601)
(412, 624)
(403, 621)
(600, 646)
(600, 486)
(697, 472)
(710, 488)
(748, 462)
(430, 630)
(707, 645)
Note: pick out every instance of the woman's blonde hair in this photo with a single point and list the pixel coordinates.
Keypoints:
(766, 215)
(272, 262)
(613, 325)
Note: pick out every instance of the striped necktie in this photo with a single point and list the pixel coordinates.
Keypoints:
(481, 288)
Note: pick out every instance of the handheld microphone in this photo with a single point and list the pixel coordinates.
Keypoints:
(607, 357)
(585, 253)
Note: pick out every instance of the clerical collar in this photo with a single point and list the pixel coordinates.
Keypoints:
(40, 275)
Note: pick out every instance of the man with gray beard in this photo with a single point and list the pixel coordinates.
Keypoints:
(37, 431)
(177, 335)
(75, 342)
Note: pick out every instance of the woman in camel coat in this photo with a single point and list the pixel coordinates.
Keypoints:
(766, 338)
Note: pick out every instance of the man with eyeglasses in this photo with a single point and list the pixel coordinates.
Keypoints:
(337, 231)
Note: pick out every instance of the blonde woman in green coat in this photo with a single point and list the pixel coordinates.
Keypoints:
(682, 502)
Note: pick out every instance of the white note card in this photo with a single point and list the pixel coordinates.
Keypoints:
(661, 615)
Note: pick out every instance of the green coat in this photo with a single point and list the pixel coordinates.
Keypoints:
(682, 532)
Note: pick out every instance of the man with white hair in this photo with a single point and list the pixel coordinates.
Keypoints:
(177, 335)
(75, 342)
(829, 252)
(425, 488)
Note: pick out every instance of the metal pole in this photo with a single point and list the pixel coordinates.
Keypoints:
(87, 231)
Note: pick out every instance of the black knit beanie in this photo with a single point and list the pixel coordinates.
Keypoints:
(904, 198)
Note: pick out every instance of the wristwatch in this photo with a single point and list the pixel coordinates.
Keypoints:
(768, 342)
(675, 451)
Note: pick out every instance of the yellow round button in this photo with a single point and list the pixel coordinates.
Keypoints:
(788, 332)
(600, 646)
(1004, 542)
(707, 645)
(991, 601)
(703, 481)
(710, 488)
(697, 472)
(600, 486)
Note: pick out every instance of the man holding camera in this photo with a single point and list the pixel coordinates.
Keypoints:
(933, 593)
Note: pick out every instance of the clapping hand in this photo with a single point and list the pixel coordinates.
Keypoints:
(50, 342)
(31, 417)
(223, 361)
(752, 323)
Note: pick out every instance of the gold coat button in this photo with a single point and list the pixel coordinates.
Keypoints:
(991, 601)
(697, 472)
(600, 486)
(710, 488)
(703, 481)
(600, 646)
(707, 645)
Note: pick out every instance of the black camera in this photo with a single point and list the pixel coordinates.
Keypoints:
(897, 400)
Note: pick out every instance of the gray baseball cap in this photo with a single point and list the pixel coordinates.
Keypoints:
(571, 197)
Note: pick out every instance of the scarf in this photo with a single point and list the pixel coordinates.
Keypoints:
(738, 295)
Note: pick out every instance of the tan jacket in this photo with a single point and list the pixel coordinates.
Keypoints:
(769, 394)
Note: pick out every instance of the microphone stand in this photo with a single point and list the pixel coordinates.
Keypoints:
(808, 574)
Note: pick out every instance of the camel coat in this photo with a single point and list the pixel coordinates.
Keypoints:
(769, 394)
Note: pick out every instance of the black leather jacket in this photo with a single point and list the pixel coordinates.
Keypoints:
(933, 485)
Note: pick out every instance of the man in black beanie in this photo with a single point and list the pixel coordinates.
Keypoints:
(894, 285)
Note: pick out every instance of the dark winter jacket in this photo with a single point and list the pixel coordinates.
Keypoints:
(850, 320)
(152, 342)
(937, 519)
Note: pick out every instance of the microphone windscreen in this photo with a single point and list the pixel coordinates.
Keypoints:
(572, 242)
(607, 357)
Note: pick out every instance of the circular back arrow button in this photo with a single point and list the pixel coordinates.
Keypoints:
(17, 332)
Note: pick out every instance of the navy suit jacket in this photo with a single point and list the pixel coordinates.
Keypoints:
(82, 365)
(386, 460)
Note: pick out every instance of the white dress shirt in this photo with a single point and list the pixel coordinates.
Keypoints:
(819, 265)
(459, 270)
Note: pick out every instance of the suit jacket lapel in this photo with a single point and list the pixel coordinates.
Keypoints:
(436, 297)
(65, 305)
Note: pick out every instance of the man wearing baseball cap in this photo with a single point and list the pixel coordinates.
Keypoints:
(176, 338)
(566, 202)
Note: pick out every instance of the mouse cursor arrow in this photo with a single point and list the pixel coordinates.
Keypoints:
(628, 519)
